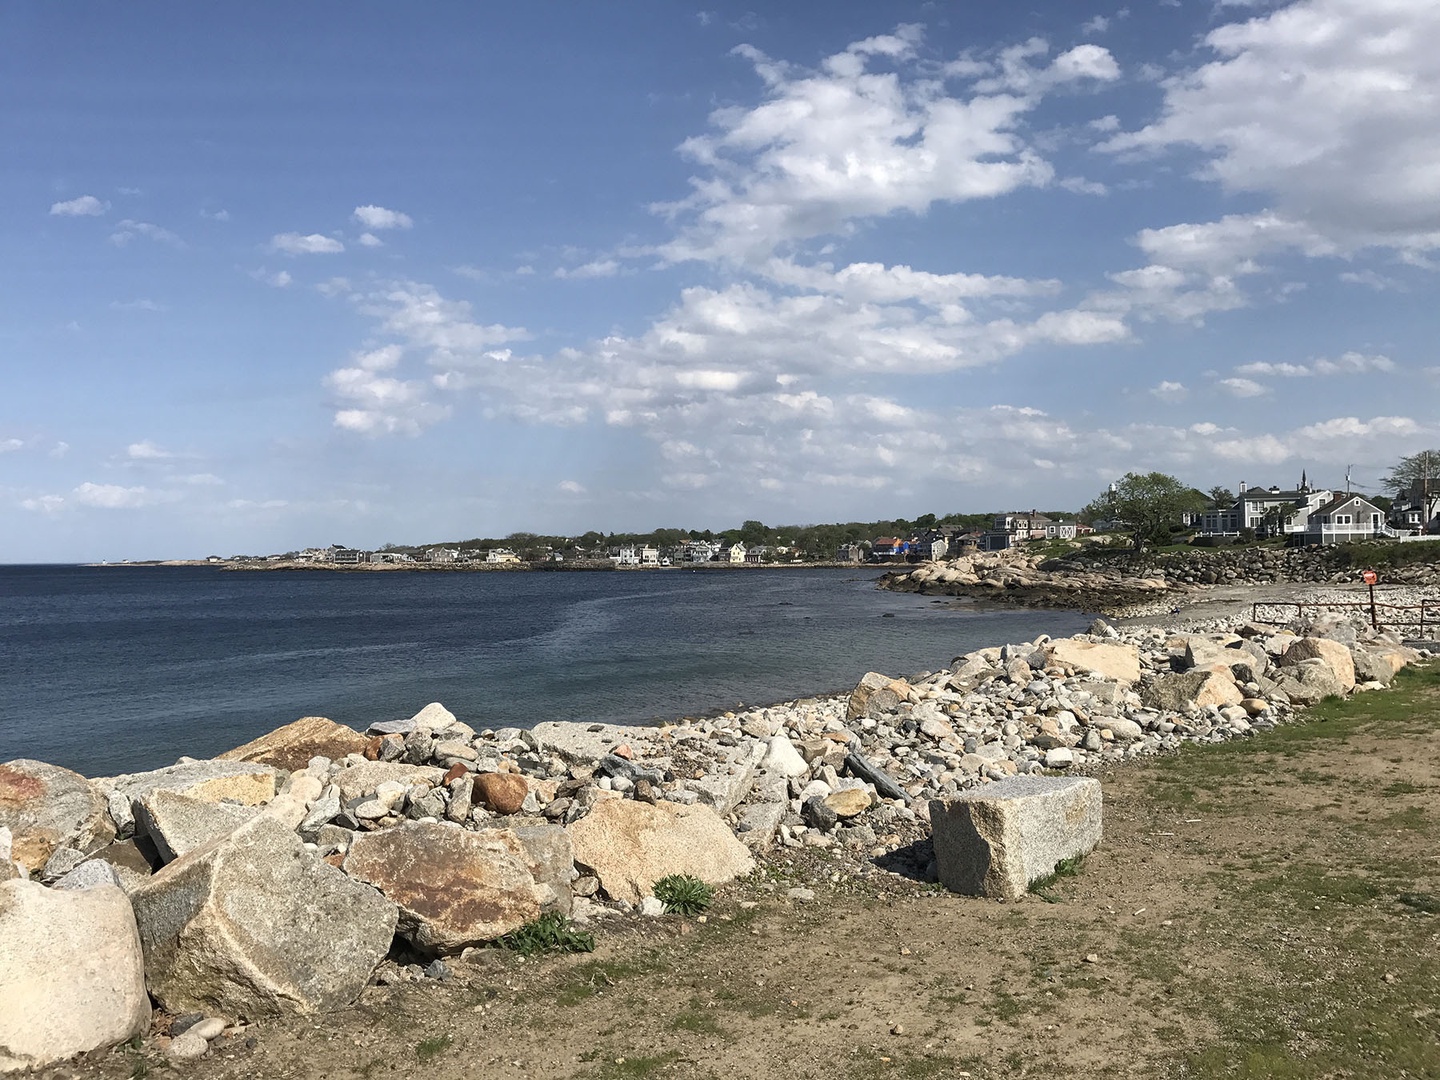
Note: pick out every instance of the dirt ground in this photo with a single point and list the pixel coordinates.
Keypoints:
(1269, 907)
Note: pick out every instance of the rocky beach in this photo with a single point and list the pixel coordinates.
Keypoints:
(188, 906)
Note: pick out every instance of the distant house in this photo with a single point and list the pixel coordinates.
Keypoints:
(1266, 510)
(1345, 518)
(850, 553)
(736, 553)
(442, 555)
(932, 546)
(343, 556)
(699, 551)
(887, 548)
(1417, 509)
(501, 557)
(1015, 528)
(649, 556)
(756, 555)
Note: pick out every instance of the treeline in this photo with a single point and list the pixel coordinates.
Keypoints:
(811, 542)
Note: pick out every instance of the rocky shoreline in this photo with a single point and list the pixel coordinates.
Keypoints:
(289, 873)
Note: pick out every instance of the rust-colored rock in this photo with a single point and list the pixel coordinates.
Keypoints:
(502, 792)
(372, 748)
(45, 806)
(454, 888)
(291, 747)
(455, 771)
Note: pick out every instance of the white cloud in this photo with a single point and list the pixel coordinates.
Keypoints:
(1350, 363)
(841, 142)
(136, 305)
(314, 244)
(279, 280)
(215, 215)
(1095, 25)
(113, 496)
(44, 504)
(571, 487)
(370, 240)
(9, 446)
(1171, 392)
(1242, 388)
(145, 450)
(129, 229)
(84, 206)
(1325, 106)
(377, 217)
(374, 404)
(600, 268)
(60, 449)
(200, 480)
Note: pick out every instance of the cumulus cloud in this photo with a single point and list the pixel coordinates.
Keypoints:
(145, 450)
(599, 268)
(84, 206)
(113, 496)
(1170, 392)
(370, 240)
(1242, 388)
(1350, 363)
(44, 504)
(314, 244)
(1324, 107)
(571, 487)
(377, 218)
(281, 279)
(9, 446)
(848, 140)
(129, 229)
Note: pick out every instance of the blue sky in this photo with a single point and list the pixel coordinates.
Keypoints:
(288, 274)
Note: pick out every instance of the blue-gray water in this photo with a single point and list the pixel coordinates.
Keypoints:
(105, 670)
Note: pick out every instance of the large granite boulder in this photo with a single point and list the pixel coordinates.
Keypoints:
(1336, 655)
(1117, 663)
(550, 858)
(1310, 681)
(1202, 687)
(357, 780)
(998, 839)
(71, 973)
(46, 807)
(242, 782)
(454, 888)
(874, 695)
(252, 925)
(585, 744)
(631, 845)
(1379, 663)
(177, 823)
(291, 747)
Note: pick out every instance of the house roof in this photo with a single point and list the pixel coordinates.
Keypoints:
(1341, 500)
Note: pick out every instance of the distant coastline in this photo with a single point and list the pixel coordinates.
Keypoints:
(595, 566)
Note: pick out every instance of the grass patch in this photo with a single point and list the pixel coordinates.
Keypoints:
(1420, 901)
(427, 1050)
(684, 895)
(549, 933)
(1065, 868)
(698, 1021)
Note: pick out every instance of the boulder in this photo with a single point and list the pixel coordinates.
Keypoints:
(1117, 663)
(630, 845)
(46, 807)
(996, 840)
(729, 779)
(357, 780)
(1122, 727)
(759, 823)
(1378, 664)
(502, 792)
(849, 802)
(454, 888)
(550, 858)
(1310, 681)
(133, 861)
(291, 747)
(71, 973)
(241, 782)
(178, 823)
(432, 718)
(874, 694)
(585, 744)
(1175, 692)
(253, 925)
(782, 757)
(1334, 654)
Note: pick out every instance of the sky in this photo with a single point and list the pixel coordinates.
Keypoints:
(279, 275)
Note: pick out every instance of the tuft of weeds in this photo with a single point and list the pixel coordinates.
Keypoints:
(1065, 868)
(684, 895)
(427, 1050)
(551, 932)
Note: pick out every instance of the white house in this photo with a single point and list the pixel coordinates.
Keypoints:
(501, 556)
(1417, 510)
(737, 552)
(1345, 518)
(1261, 508)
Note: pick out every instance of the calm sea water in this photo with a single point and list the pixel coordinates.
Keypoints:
(110, 669)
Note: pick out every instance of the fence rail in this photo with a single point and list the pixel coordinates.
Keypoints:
(1425, 613)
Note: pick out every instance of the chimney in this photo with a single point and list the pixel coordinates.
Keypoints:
(1242, 487)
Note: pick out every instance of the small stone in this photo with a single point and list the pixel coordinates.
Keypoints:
(897, 1029)
(502, 792)
(1092, 958)
(187, 1047)
(438, 970)
(208, 1029)
(651, 907)
(184, 1022)
(801, 895)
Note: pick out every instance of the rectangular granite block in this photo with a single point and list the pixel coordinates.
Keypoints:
(997, 839)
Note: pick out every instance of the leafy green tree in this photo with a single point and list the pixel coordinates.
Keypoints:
(1148, 504)
(1423, 467)
(1221, 496)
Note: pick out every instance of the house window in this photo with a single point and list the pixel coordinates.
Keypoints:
(1342, 519)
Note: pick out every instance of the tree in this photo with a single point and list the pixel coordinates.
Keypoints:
(1147, 504)
(1221, 496)
(1422, 468)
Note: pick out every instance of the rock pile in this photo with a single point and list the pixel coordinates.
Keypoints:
(279, 877)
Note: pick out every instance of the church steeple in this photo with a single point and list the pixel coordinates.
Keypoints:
(1304, 483)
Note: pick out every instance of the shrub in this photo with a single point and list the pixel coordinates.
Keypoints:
(549, 933)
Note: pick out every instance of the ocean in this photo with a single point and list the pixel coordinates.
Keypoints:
(113, 669)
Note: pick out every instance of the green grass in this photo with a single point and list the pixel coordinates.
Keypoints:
(427, 1050)
(1065, 868)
